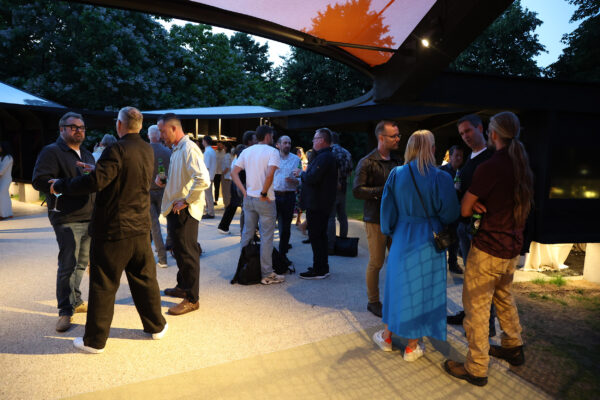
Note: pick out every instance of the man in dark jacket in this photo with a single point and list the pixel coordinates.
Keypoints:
(162, 156)
(120, 231)
(69, 215)
(371, 174)
(319, 185)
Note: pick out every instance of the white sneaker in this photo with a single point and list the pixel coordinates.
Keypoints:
(272, 278)
(78, 343)
(159, 335)
(381, 342)
(222, 232)
(161, 265)
(413, 355)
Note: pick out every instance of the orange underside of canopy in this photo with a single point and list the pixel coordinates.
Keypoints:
(377, 23)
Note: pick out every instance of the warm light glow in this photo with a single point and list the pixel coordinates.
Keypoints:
(591, 194)
(425, 42)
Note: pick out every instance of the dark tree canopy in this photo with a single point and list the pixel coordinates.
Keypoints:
(311, 80)
(580, 60)
(506, 47)
(102, 58)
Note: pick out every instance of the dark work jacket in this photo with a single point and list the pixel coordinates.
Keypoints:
(319, 182)
(56, 161)
(122, 180)
(371, 174)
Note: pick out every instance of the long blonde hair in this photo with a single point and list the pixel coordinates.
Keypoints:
(506, 125)
(420, 146)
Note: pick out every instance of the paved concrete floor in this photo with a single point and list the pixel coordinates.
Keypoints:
(300, 339)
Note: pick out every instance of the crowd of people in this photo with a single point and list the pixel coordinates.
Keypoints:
(109, 208)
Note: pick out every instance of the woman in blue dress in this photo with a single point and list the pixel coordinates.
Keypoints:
(414, 303)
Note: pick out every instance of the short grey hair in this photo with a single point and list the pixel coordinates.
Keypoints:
(153, 133)
(107, 140)
(132, 118)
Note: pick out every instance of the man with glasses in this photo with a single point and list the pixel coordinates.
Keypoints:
(371, 174)
(70, 223)
(319, 186)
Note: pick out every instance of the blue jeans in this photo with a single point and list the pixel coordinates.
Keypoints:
(73, 256)
(256, 211)
(285, 202)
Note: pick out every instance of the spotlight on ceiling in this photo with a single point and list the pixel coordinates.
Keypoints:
(425, 42)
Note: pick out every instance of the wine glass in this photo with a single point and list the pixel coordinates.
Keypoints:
(56, 202)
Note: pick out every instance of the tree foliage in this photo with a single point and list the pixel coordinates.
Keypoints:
(102, 58)
(506, 47)
(580, 60)
(311, 80)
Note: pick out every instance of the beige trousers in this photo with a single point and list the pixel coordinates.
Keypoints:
(487, 279)
(377, 242)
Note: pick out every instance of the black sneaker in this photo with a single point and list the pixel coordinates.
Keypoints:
(311, 274)
(514, 355)
(456, 319)
(375, 308)
(206, 216)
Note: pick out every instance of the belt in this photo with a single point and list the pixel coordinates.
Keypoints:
(284, 192)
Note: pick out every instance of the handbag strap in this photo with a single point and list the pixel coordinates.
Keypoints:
(421, 198)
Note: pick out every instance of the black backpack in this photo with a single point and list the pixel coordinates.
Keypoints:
(248, 268)
(281, 265)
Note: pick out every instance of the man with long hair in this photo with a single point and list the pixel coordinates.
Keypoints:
(501, 190)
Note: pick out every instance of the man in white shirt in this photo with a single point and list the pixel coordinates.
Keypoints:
(260, 162)
(182, 204)
(285, 184)
(210, 160)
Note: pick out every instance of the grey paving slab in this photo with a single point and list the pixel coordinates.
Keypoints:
(236, 326)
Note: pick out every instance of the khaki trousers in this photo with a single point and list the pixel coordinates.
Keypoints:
(377, 242)
(487, 279)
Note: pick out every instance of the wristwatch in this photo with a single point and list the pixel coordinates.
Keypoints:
(262, 194)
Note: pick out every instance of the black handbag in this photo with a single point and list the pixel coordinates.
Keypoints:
(346, 247)
(447, 236)
(248, 269)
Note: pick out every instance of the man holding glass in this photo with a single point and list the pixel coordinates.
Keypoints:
(285, 183)
(69, 215)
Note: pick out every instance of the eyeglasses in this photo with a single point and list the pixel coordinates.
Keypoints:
(392, 136)
(74, 127)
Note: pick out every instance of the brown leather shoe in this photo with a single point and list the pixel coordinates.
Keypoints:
(458, 370)
(175, 292)
(63, 324)
(81, 308)
(184, 307)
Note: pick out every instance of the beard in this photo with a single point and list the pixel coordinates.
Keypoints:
(75, 139)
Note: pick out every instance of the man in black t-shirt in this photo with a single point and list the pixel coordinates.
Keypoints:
(470, 128)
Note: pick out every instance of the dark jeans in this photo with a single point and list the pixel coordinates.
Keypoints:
(108, 261)
(217, 183)
(230, 210)
(453, 250)
(184, 234)
(317, 234)
(464, 242)
(285, 202)
(340, 210)
(73, 256)
(159, 245)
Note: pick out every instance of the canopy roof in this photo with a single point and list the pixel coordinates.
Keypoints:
(381, 38)
(12, 95)
(219, 112)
